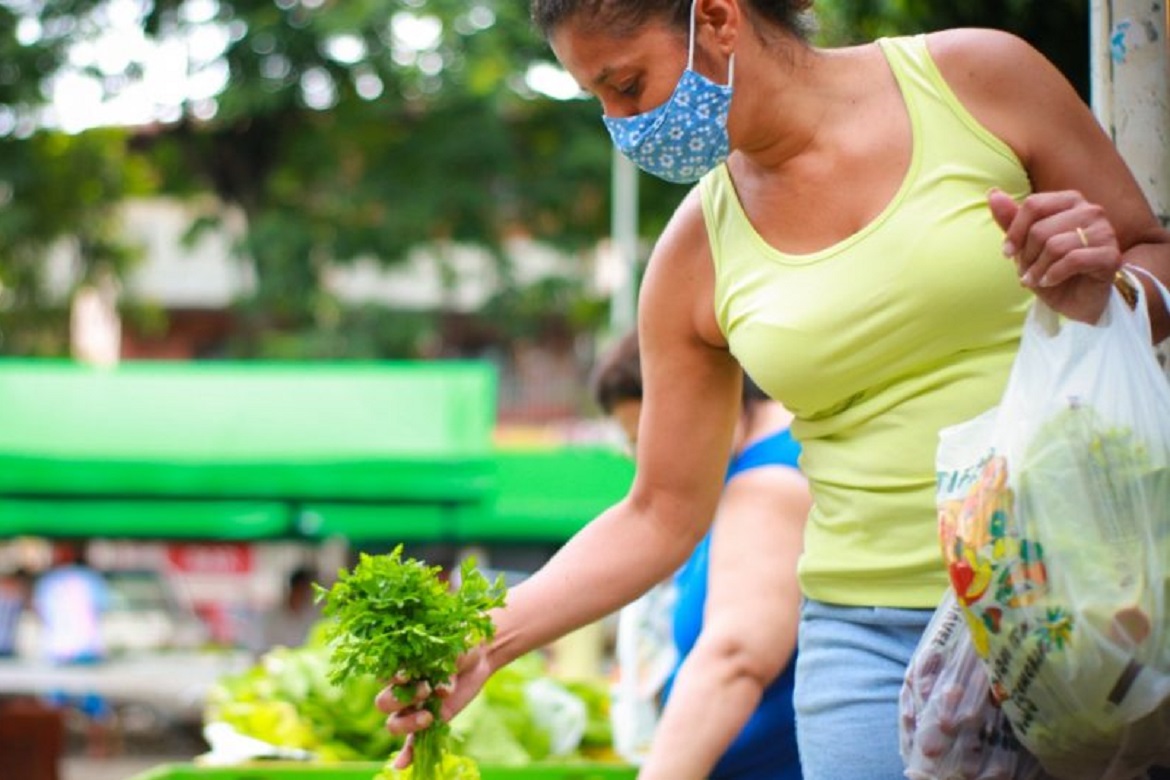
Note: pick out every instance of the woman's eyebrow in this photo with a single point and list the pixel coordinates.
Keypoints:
(602, 77)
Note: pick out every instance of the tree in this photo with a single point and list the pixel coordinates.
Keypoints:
(59, 192)
(1058, 28)
(362, 128)
(365, 128)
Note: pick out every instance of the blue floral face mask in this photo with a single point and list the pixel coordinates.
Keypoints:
(686, 136)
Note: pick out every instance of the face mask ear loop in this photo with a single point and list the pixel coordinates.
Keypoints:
(691, 49)
(691, 43)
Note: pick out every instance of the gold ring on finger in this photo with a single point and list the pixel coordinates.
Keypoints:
(1084, 238)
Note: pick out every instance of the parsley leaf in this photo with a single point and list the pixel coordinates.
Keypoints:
(397, 618)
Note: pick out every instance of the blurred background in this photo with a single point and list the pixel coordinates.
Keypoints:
(286, 280)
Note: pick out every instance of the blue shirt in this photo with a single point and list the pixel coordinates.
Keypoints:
(766, 747)
(70, 601)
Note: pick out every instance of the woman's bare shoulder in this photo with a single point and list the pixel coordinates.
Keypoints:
(680, 278)
(1006, 84)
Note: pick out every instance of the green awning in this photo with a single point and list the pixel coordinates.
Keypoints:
(386, 522)
(550, 494)
(222, 437)
(539, 495)
(227, 520)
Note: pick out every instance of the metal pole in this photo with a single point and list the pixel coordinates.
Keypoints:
(1130, 75)
(624, 227)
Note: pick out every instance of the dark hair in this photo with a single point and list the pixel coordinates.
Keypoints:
(621, 18)
(618, 377)
(301, 576)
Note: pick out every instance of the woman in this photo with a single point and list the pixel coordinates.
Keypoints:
(846, 245)
(728, 701)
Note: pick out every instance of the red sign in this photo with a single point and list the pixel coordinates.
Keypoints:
(210, 558)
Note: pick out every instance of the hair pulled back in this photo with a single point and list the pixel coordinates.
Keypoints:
(623, 17)
(617, 377)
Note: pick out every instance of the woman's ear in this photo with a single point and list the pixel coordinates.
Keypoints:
(720, 19)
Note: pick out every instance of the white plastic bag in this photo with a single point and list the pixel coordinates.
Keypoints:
(646, 655)
(951, 728)
(1056, 534)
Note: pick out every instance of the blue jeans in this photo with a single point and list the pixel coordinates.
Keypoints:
(849, 671)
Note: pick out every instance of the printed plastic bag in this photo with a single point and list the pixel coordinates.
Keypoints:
(951, 728)
(1054, 516)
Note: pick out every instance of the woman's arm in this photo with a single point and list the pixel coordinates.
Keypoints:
(749, 623)
(1079, 178)
(690, 408)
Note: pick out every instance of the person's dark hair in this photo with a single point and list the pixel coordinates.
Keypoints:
(618, 377)
(752, 391)
(300, 577)
(622, 18)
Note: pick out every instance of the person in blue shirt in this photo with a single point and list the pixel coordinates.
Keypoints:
(70, 599)
(728, 711)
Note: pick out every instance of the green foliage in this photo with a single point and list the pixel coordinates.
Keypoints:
(549, 305)
(59, 191)
(397, 619)
(1058, 28)
(24, 63)
(338, 332)
(341, 138)
(442, 142)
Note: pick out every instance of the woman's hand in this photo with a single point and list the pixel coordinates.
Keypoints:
(1064, 247)
(409, 717)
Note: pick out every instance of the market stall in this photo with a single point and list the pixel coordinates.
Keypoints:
(230, 455)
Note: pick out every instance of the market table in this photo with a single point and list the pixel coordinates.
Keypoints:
(173, 683)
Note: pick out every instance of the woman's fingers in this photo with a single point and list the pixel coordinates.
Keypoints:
(403, 701)
(1055, 236)
(408, 721)
(402, 694)
(406, 755)
(1003, 209)
(1033, 209)
(445, 689)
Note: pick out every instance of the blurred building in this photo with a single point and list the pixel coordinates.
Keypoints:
(188, 287)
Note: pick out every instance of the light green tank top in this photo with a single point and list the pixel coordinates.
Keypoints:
(877, 342)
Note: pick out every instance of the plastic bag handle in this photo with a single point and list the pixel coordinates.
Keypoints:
(1051, 322)
(1161, 349)
(1161, 288)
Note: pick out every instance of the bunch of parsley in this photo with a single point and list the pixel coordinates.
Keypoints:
(398, 619)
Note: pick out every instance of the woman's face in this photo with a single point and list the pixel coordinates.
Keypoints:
(627, 413)
(630, 74)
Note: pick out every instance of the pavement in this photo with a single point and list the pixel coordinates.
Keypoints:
(174, 683)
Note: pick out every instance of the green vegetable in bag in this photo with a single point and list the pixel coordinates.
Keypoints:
(1062, 580)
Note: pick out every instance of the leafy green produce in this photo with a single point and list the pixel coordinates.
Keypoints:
(287, 700)
(498, 727)
(397, 619)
